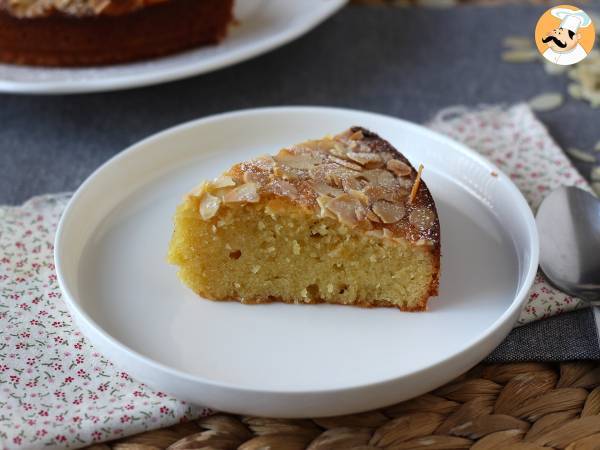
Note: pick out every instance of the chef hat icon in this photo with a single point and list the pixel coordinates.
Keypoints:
(571, 19)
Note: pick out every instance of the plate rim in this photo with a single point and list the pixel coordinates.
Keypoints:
(81, 317)
(248, 51)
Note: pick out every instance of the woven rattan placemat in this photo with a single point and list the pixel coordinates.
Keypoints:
(524, 406)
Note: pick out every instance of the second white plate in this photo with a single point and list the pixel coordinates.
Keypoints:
(288, 360)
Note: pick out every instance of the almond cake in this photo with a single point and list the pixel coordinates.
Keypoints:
(343, 219)
(95, 32)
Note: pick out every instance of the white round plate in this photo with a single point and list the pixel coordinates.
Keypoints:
(263, 26)
(279, 359)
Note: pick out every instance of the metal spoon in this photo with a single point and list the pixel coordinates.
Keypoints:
(568, 222)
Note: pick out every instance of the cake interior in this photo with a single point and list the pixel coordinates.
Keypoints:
(277, 251)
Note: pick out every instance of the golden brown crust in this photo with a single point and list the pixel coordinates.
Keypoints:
(356, 177)
(158, 28)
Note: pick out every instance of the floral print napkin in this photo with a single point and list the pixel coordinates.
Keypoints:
(56, 391)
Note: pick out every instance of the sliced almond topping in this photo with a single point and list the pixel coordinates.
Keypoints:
(422, 218)
(352, 183)
(324, 189)
(388, 212)
(357, 136)
(335, 175)
(373, 217)
(338, 150)
(209, 205)
(415, 188)
(199, 190)
(344, 207)
(251, 176)
(398, 167)
(285, 172)
(323, 201)
(222, 181)
(348, 164)
(283, 188)
(245, 193)
(298, 160)
(359, 195)
(379, 177)
(395, 194)
(368, 160)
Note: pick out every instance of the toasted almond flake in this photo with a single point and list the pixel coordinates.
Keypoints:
(595, 174)
(554, 69)
(580, 155)
(596, 188)
(379, 177)
(244, 193)
(344, 207)
(546, 102)
(422, 218)
(388, 212)
(356, 136)
(359, 195)
(517, 42)
(324, 189)
(199, 190)
(222, 181)
(282, 188)
(373, 217)
(368, 160)
(338, 150)
(297, 160)
(209, 206)
(352, 183)
(285, 172)
(323, 201)
(391, 194)
(398, 167)
(520, 56)
(347, 164)
(574, 90)
(415, 188)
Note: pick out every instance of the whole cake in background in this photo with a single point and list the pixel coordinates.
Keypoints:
(96, 32)
(343, 219)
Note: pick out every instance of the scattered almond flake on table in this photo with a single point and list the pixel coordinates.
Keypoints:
(580, 155)
(554, 69)
(520, 56)
(586, 75)
(546, 102)
(517, 42)
(574, 90)
(595, 174)
(597, 147)
(596, 187)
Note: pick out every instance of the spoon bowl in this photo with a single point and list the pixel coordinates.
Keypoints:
(568, 222)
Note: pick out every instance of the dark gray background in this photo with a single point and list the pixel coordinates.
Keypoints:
(405, 62)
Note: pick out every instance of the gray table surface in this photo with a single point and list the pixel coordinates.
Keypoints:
(405, 62)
